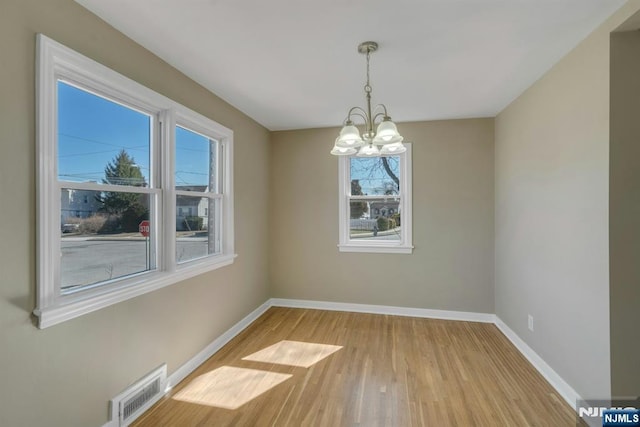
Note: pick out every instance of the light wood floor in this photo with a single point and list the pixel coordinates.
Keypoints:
(389, 371)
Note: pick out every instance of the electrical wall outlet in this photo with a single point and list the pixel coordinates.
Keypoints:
(531, 323)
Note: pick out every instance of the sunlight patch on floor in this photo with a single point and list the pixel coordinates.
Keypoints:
(229, 387)
(294, 353)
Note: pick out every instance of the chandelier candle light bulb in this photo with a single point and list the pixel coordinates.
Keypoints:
(386, 135)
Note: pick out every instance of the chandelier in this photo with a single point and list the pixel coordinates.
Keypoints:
(383, 141)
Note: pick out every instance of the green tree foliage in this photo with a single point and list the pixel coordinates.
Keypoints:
(130, 208)
(122, 170)
(385, 223)
(358, 209)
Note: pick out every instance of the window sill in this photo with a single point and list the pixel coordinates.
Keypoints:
(377, 249)
(70, 307)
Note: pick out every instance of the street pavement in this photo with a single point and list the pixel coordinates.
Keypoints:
(86, 260)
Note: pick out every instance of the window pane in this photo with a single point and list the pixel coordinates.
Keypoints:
(197, 227)
(98, 244)
(196, 160)
(100, 140)
(77, 205)
(375, 219)
(373, 176)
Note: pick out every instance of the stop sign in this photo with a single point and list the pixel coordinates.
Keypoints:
(144, 228)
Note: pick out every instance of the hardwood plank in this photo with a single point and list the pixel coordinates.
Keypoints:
(390, 371)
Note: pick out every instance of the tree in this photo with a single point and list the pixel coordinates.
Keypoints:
(388, 169)
(129, 207)
(122, 170)
(385, 169)
(358, 208)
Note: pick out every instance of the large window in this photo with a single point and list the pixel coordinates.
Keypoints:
(134, 190)
(375, 203)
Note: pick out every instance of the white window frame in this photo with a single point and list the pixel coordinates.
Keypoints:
(57, 62)
(402, 246)
(203, 128)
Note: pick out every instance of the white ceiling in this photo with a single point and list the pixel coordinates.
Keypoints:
(293, 64)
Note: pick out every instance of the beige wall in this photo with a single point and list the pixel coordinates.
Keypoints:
(624, 213)
(551, 236)
(552, 191)
(65, 375)
(452, 264)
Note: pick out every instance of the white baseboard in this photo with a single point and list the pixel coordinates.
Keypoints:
(384, 309)
(190, 366)
(556, 381)
(184, 370)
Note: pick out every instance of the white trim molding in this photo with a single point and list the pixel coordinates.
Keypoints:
(553, 378)
(404, 244)
(58, 64)
(58, 313)
(373, 249)
(557, 382)
(384, 309)
(183, 371)
(191, 365)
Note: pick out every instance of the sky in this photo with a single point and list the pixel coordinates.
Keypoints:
(371, 175)
(92, 130)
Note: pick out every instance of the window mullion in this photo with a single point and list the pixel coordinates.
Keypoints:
(93, 186)
(219, 220)
(199, 194)
(168, 228)
(225, 163)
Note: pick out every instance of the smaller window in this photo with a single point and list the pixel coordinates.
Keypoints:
(198, 191)
(375, 203)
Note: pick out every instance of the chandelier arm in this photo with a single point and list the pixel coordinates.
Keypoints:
(362, 116)
(378, 115)
(384, 108)
(361, 112)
